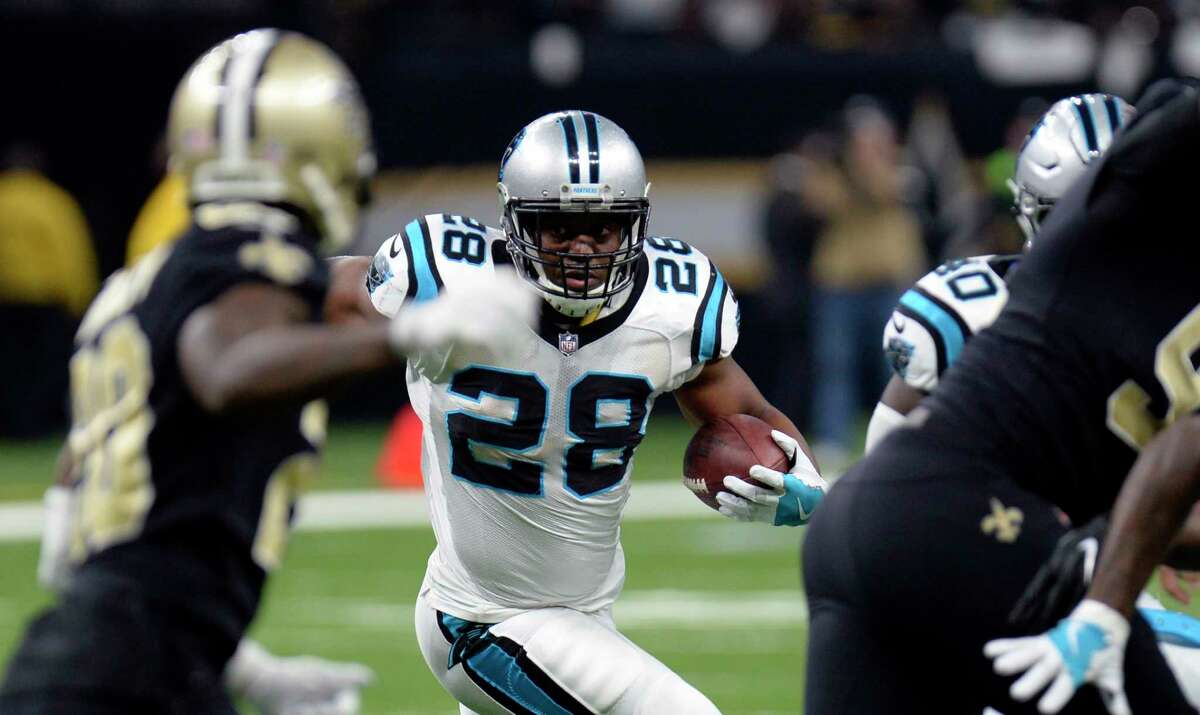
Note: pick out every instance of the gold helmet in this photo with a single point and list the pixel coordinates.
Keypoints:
(275, 116)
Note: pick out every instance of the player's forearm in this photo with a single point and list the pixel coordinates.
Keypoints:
(64, 467)
(1156, 498)
(1185, 548)
(293, 363)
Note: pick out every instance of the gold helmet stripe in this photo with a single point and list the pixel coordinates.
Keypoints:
(241, 75)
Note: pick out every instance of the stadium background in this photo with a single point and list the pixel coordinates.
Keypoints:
(724, 97)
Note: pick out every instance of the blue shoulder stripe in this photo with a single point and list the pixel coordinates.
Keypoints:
(706, 333)
(1173, 627)
(945, 326)
(421, 262)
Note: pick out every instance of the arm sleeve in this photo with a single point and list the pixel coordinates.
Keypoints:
(883, 421)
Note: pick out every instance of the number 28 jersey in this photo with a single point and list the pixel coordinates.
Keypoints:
(527, 454)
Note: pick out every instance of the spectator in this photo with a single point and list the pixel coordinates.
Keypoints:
(791, 229)
(165, 214)
(161, 220)
(868, 249)
(47, 278)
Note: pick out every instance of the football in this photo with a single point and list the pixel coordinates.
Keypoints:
(728, 445)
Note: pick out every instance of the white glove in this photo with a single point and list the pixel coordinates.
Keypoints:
(303, 685)
(1087, 646)
(784, 499)
(58, 518)
(492, 309)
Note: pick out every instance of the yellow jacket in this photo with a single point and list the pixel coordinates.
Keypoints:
(163, 217)
(46, 252)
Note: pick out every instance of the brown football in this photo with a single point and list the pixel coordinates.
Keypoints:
(728, 445)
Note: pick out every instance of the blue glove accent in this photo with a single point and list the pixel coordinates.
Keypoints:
(1175, 628)
(797, 504)
(1078, 641)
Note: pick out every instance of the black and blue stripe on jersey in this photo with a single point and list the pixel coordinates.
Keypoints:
(502, 669)
(424, 280)
(943, 324)
(571, 137)
(706, 332)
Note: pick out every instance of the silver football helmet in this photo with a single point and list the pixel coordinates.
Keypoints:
(1074, 132)
(574, 173)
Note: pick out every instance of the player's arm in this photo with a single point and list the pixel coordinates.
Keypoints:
(912, 352)
(723, 388)
(59, 505)
(347, 300)
(783, 499)
(254, 345)
(1154, 503)
(1089, 644)
(898, 399)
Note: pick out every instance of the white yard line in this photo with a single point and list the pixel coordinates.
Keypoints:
(635, 609)
(379, 509)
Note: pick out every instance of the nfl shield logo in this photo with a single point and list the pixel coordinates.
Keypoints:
(568, 343)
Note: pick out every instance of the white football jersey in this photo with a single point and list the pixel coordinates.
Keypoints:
(526, 457)
(939, 314)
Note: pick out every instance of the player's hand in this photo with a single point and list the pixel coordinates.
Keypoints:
(1063, 580)
(785, 499)
(303, 685)
(58, 514)
(493, 309)
(1173, 583)
(1086, 647)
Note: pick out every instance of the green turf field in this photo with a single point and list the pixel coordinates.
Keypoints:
(717, 601)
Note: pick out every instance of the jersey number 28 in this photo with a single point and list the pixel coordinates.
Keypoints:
(605, 416)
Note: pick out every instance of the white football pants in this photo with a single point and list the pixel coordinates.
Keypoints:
(549, 661)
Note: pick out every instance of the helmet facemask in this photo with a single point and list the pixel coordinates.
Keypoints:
(1030, 211)
(576, 283)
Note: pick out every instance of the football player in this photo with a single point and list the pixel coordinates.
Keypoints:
(962, 297)
(193, 383)
(527, 456)
(933, 536)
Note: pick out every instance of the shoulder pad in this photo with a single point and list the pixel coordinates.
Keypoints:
(417, 263)
(690, 299)
(944, 309)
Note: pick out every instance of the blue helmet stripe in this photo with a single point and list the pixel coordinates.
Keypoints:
(593, 138)
(567, 122)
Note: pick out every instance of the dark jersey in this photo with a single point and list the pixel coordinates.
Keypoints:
(192, 507)
(1096, 350)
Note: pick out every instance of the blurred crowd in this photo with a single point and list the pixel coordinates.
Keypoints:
(862, 201)
(860, 209)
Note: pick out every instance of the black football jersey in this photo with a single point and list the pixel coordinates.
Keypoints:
(193, 506)
(1097, 348)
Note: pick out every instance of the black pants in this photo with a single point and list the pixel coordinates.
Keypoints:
(104, 650)
(907, 577)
